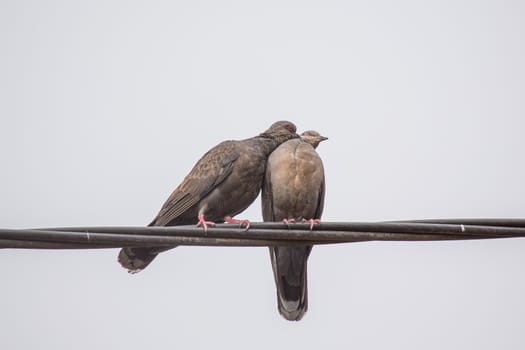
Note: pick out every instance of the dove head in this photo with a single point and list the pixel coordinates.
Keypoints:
(281, 131)
(312, 137)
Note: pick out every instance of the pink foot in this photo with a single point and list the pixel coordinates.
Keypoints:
(204, 223)
(288, 221)
(312, 222)
(231, 220)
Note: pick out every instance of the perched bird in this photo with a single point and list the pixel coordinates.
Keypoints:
(293, 190)
(224, 182)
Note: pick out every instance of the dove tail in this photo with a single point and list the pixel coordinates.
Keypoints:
(136, 259)
(290, 269)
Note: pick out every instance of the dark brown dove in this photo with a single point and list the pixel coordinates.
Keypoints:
(224, 182)
(293, 190)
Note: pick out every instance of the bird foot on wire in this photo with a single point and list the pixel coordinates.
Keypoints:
(202, 222)
(312, 222)
(241, 222)
(287, 222)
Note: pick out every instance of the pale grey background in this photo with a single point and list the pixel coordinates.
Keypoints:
(106, 105)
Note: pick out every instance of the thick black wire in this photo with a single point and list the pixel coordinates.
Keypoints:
(261, 234)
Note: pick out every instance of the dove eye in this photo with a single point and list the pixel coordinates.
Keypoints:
(290, 127)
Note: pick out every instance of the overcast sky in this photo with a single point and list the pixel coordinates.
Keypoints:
(106, 105)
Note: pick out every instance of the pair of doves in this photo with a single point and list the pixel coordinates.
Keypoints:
(228, 178)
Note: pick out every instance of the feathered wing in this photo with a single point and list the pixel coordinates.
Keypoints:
(210, 171)
(267, 196)
(320, 200)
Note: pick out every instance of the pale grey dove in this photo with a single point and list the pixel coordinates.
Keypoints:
(293, 190)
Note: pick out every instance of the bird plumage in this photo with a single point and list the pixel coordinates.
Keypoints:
(224, 182)
(293, 188)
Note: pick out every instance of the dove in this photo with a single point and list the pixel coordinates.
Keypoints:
(222, 184)
(293, 190)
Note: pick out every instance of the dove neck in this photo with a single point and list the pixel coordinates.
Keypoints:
(265, 144)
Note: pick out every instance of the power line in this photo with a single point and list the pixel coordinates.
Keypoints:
(261, 234)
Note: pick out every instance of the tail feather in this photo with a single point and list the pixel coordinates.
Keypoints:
(137, 259)
(290, 272)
